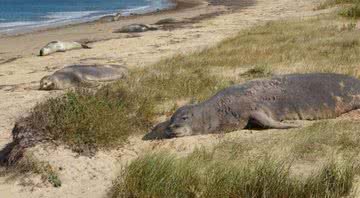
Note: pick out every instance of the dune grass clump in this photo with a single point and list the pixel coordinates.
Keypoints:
(352, 11)
(330, 3)
(86, 121)
(164, 175)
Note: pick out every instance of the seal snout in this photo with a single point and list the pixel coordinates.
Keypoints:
(160, 131)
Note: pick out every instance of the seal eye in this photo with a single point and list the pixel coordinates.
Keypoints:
(185, 118)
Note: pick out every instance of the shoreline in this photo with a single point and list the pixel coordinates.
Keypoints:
(24, 44)
(177, 5)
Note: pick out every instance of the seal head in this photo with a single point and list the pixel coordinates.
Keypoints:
(181, 123)
(46, 83)
(50, 48)
(185, 121)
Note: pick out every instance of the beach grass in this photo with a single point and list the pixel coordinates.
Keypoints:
(349, 8)
(320, 161)
(165, 175)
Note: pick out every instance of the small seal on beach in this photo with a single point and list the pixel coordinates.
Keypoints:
(110, 18)
(133, 28)
(166, 21)
(76, 75)
(265, 103)
(59, 46)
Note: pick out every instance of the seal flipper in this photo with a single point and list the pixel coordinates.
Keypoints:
(263, 120)
(85, 46)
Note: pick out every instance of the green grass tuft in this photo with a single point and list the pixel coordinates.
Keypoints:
(352, 11)
(163, 175)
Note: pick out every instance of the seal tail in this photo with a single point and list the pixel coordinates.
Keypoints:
(85, 46)
(152, 28)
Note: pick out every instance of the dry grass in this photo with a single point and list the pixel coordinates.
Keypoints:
(29, 165)
(350, 8)
(330, 3)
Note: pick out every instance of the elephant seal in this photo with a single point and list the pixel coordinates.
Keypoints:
(73, 76)
(133, 28)
(166, 21)
(110, 18)
(60, 46)
(264, 103)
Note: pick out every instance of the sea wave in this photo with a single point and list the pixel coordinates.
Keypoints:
(14, 24)
(60, 16)
(52, 18)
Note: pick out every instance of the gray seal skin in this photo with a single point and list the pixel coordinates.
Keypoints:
(166, 21)
(74, 76)
(133, 28)
(60, 46)
(265, 103)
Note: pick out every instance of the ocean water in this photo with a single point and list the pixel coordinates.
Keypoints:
(25, 14)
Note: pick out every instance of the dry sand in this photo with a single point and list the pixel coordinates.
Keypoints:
(19, 79)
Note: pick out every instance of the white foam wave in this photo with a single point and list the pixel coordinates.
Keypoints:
(137, 10)
(69, 15)
(154, 6)
(15, 24)
(53, 18)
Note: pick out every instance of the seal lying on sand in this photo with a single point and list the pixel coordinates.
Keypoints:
(135, 28)
(59, 46)
(265, 103)
(75, 75)
(166, 21)
(110, 18)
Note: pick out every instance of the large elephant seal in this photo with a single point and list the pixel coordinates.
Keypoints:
(265, 103)
(76, 75)
(60, 46)
(134, 28)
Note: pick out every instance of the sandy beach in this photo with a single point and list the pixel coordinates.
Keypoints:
(200, 24)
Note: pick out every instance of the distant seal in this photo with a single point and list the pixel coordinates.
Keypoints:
(166, 21)
(265, 103)
(110, 18)
(74, 76)
(60, 46)
(133, 28)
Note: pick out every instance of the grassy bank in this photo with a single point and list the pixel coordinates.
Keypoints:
(319, 162)
(105, 119)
